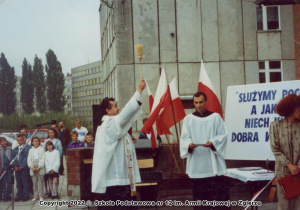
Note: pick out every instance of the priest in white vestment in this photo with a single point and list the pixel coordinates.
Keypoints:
(203, 143)
(115, 169)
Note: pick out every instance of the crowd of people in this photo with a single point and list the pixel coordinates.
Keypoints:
(36, 165)
(115, 170)
(202, 143)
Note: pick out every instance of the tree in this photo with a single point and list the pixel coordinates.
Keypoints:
(8, 82)
(39, 85)
(27, 88)
(55, 83)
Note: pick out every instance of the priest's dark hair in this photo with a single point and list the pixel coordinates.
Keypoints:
(198, 94)
(287, 105)
(103, 106)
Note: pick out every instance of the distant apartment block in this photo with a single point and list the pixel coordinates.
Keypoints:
(68, 94)
(86, 90)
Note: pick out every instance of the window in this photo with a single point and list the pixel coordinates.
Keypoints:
(270, 71)
(268, 18)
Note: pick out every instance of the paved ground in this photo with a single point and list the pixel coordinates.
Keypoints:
(236, 193)
(28, 205)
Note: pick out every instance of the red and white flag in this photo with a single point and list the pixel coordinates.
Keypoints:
(170, 117)
(205, 85)
(151, 99)
(161, 101)
(153, 131)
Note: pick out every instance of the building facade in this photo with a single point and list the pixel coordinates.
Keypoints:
(68, 94)
(239, 42)
(86, 90)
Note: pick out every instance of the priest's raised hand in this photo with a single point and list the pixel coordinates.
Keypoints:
(115, 169)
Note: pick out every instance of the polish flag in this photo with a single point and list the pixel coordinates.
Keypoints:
(151, 99)
(153, 131)
(161, 101)
(205, 85)
(167, 118)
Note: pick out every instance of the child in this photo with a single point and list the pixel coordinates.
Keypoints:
(89, 140)
(53, 137)
(36, 163)
(21, 169)
(52, 163)
(75, 142)
(5, 158)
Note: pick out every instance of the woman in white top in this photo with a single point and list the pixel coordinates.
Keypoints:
(52, 163)
(36, 163)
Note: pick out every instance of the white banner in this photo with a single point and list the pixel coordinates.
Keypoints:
(249, 113)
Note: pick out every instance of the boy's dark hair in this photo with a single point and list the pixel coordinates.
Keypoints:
(35, 138)
(20, 135)
(50, 143)
(89, 134)
(2, 139)
(22, 126)
(74, 133)
(198, 94)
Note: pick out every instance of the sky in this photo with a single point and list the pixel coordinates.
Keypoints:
(71, 28)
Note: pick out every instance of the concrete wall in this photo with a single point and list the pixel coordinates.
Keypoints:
(296, 24)
(189, 30)
(180, 33)
(230, 30)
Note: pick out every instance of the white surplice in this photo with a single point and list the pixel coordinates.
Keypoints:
(109, 162)
(203, 161)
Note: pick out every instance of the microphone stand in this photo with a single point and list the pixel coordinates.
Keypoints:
(13, 168)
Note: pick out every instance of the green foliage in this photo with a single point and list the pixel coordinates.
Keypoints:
(27, 88)
(13, 121)
(55, 83)
(8, 82)
(39, 85)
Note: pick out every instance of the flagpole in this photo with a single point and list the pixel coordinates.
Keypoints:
(183, 167)
(182, 161)
(173, 153)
